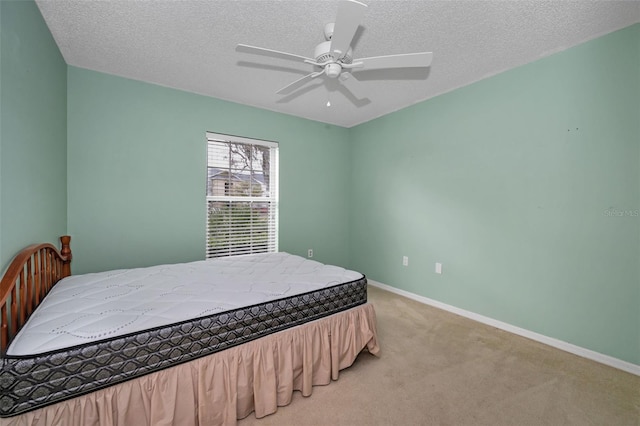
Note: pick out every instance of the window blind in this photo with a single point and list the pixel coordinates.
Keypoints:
(242, 196)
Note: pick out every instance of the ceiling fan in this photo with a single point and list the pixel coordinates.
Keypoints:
(334, 57)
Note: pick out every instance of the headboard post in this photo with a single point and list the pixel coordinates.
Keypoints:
(65, 251)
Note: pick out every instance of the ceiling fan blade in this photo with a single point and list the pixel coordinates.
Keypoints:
(269, 52)
(298, 83)
(352, 85)
(406, 60)
(350, 14)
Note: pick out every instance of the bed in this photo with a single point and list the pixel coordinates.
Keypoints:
(199, 343)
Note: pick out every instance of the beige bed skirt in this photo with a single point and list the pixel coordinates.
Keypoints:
(220, 388)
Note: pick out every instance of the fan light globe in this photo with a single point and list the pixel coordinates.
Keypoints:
(332, 70)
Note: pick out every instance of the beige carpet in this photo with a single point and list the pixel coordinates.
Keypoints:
(437, 368)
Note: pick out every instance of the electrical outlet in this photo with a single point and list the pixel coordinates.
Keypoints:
(405, 260)
(310, 253)
(438, 268)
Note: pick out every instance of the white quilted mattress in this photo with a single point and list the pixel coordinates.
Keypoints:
(86, 308)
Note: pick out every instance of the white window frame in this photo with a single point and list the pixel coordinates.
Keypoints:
(271, 197)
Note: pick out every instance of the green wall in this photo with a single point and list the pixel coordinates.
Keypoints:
(515, 184)
(33, 132)
(137, 173)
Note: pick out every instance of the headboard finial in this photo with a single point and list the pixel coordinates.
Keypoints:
(65, 251)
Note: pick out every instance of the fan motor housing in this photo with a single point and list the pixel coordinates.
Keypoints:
(323, 54)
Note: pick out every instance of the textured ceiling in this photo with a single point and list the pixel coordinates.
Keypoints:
(190, 45)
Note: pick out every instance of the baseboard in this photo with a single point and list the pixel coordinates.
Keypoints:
(559, 344)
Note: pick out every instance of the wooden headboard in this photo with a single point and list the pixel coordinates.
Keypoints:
(30, 276)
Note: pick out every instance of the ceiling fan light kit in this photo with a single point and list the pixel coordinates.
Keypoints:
(334, 57)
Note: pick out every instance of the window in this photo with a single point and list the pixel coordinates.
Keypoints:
(242, 196)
